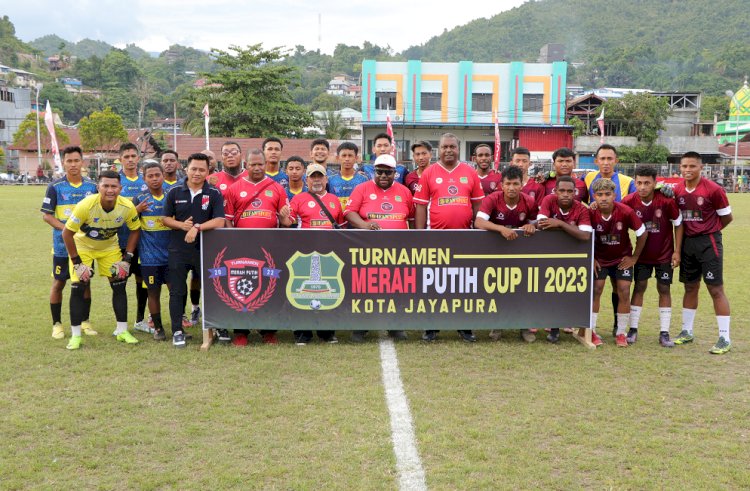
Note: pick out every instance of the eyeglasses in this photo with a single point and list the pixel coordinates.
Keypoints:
(387, 172)
(230, 153)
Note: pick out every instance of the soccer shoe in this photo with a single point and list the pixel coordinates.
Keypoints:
(186, 322)
(178, 339)
(553, 336)
(223, 336)
(398, 335)
(664, 340)
(142, 326)
(596, 339)
(684, 338)
(159, 334)
(302, 339)
(495, 334)
(332, 340)
(722, 346)
(358, 336)
(270, 338)
(467, 336)
(632, 336)
(240, 339)
(527, 335)
(429, 336)
(57, 331)
(195, 315)
(87, 329)
(150, 321)
(74, 342)
(127, 338)
(621, 340)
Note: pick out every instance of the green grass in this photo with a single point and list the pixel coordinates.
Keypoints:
(494, 415)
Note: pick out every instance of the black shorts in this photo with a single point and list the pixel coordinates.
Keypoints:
(60, 268)
(615, 272)
(702, 255)
(664, 272)
(135, 267)
(154, 276)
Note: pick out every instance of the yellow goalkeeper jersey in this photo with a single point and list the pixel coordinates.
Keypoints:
(95, 228)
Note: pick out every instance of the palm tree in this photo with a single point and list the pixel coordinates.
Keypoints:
(334, 127)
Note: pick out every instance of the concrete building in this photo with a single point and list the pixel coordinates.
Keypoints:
(15, 104)
(551, 52)
(425, 100)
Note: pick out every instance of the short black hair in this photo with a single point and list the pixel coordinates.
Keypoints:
(111, 174)
(382, 135)
(128, 146)
(691, 155)
(605, 146)
(297, 158)
(72, 149)
(271, 139)
(199, 156)
(565, 179)
(563, 152)
(421, 143)
(512, 172)
(152, 165)
(646, 171)
(173, 152)
(320, 141)
(347, 146)
(520, 151)
(227, 144)
(482, 145)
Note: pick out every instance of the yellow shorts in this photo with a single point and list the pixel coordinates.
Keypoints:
(104, 261)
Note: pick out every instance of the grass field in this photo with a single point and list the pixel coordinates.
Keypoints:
(492, 415)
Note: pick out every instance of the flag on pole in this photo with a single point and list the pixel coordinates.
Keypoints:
(49, 122)
(497, 143)
(389, 132)
(600, 122)
(205, 123)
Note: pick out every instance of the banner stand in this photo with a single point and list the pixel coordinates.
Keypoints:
(583, 335)
(208, 339)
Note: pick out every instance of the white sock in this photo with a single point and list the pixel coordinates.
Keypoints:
(622, 323)
(121, 328)
(723, 321)
(635, 316)
(75, 330)
(688, 317)
(665, 318)
(196, 307)
(594, 315)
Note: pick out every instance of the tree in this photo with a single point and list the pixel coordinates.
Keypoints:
(59, 98)
(249, 95)
(102, 130)
(714, 104)
(26, 133)
(639, 115)
(579, 127)
(643, 154)
(119, 69)
(333, 126)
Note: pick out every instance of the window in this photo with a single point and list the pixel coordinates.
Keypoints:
(385, 100)
(431, 101)
(2, 124)
(533, 102)
(481, 102)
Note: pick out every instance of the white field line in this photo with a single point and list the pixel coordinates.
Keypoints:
(410, 471)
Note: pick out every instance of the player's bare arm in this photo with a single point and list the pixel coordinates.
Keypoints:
(420, 216)
(679, 233)
(572, 230)
(52, 221)
(725, 220)
(484, 224)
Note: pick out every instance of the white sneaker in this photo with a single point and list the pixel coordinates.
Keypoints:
(143, 327)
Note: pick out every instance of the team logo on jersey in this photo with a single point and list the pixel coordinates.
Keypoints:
(493, 185)
(269, 193)
(223, 187)
(439, 180)
(243, 194)
(452, 190)
(532, 194)
(250, 282)
(640, 215)
(144, 188)
(311, 204)
(682, 201)
(119, 219)
(315, 281)
(386, 206)
(500, 216)
(599, 228)
(373, 196)
(464, 180)
(398, 198)
(256, 203)
(522, 216)
(657, 213)
(700, 200)
(205, 200)
(618, 225)
(323, 213)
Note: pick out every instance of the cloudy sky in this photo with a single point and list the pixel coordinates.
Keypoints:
(154, 25)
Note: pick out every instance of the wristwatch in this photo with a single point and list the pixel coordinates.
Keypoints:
(198, 226)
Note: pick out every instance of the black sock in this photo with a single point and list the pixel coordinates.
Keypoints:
(77, 304)
(56, 309)
(120, 300)
(156, 318)
(195, 297)
(141, 296)
(615, 304)
(87, 308)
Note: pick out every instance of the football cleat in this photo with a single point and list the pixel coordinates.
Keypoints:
(57, 331)
(722, 346)
(684, 338)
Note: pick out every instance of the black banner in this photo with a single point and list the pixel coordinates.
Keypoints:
(416, 279)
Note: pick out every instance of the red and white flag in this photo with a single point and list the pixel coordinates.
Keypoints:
(389, 132)
(600, 122)
(49, 122)
(497, 143)
(205, 123)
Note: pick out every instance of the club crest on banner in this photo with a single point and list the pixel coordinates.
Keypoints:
(315, 281)
(250, 283)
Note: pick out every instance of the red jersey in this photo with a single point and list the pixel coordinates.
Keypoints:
(577, 215)
(495, 209)
(612, 242)
(449, 195)
(254, 205)
(411, 181)
(390, 208)
(582, 193)
(658, 216)
(309, 214)
(702, 207)
(491, 182)
(535, 190)
(225, 181)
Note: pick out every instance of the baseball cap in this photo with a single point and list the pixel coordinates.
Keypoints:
(313, 168)
(386, 160)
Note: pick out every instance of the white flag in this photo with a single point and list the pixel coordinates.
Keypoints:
(205, 123)
(49, 121)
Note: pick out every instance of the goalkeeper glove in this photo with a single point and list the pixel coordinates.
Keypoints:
(83, 271)
(665, 189)
(121, 269)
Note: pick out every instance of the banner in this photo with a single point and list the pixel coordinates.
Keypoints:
(49, 122)
(412, 279)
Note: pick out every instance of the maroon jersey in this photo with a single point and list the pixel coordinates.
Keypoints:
(658, 216)
(702, 207)
(535, 190)
(496, 210)
(491, 182)
(577, 215)
(612, 241)
(582, 194)
(411, 181)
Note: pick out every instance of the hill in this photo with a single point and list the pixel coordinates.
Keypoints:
(658, 44)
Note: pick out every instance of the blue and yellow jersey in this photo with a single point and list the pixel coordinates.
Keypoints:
(290, 194)
(61, 198)
(342, 186)
(624, 185)
(95, 228)
(131, 187)
(154, 240)
(280, 177)
(167, 185)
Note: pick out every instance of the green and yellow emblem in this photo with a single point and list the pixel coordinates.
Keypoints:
(315, 281)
